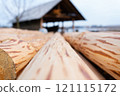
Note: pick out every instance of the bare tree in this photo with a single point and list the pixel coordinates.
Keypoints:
(19, 4)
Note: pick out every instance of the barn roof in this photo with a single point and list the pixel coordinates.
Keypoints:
(38, 11)
(41, 10)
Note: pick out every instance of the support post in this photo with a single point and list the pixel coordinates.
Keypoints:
(62, 26)
(41, 23)
(73, 25)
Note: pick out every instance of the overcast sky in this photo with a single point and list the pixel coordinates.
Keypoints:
(96, 12)
(100, 12)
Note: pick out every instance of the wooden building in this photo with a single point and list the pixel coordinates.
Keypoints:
(53, 11)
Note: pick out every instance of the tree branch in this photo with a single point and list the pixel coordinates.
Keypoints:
(7, 8)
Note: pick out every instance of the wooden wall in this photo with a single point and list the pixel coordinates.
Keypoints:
(30, 25)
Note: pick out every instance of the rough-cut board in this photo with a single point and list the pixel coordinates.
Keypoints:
(57, 60)
(21, 52)
(7, 67)
(101, 48)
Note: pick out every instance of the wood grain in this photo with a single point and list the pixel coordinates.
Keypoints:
(58, 61)
(22, 45)
(21, 52)
(35, 38)
(7, 67)
(101, 48)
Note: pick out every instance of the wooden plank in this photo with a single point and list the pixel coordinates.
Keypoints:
(101, 48)
(7, 67)
(58, 61)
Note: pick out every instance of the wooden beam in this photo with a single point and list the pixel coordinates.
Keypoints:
(73, 25)
(21, 52)
(41, 23)
(58, 61)
(102, 48)
(21, 45)
(62, 26)
(62, 16)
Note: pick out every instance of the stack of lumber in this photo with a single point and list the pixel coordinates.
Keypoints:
(101, 48)
(58, 61)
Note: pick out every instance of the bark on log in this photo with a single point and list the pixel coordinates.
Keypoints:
(7, 67)
(101, 48)
(57, 60)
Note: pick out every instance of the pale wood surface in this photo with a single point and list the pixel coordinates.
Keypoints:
(100, 47)
(58, 61)
(22, 45)
(35, 38)
(21, 52)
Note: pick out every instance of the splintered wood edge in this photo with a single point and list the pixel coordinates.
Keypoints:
(7, 67)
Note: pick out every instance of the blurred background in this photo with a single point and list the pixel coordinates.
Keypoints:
(61, 15)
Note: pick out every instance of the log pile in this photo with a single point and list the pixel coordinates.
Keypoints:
(38, 56)
(101, 48)
(58, 61)
(21, 52)
(22, 45)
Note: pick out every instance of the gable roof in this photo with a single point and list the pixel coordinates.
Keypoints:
(69, 7)
(41, 10)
